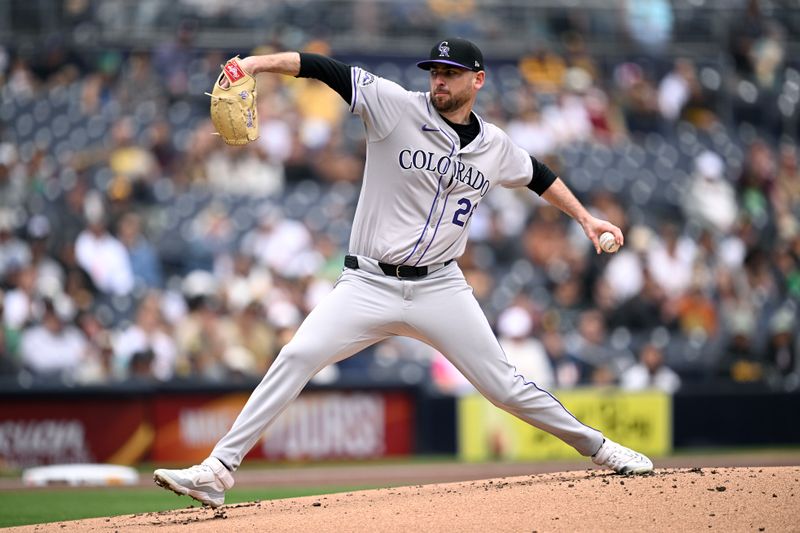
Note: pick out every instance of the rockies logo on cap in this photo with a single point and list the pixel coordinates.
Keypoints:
(454, 51)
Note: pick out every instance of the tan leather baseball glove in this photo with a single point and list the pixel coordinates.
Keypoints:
(233, 108)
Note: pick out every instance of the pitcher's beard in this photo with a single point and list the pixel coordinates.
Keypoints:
(455, 102)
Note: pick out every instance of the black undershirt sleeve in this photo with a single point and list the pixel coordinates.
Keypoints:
(543, 177)
(331, 72)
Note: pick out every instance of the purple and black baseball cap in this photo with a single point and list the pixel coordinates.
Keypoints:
(456, 52)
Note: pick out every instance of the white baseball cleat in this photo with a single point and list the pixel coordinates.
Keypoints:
(206, 482)
(622, 460)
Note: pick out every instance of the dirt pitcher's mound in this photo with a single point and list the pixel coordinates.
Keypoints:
(719, 499)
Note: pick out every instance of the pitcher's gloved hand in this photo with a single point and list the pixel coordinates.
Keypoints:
(233, 104)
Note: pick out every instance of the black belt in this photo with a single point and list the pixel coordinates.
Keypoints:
(399, 271)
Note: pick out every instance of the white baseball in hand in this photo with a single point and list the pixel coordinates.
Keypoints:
(608, 242)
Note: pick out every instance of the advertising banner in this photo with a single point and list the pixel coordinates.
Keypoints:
(640, 420)
(47, 430)
(317, 425)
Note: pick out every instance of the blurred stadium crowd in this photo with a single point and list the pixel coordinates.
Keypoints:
(135, 245)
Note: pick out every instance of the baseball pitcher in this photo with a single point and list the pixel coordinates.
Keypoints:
(430, 162)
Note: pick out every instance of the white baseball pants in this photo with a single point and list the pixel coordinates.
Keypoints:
(367, 306)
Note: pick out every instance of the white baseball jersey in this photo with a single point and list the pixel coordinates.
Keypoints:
(420, 188)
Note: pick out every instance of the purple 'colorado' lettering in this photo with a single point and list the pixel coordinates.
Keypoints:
(430, 160)
(441, 164)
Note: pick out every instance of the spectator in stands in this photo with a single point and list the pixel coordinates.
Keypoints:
(638, 99)
(670, 259)
(145, 263)
(787, 270)
(56, 56)
(239, 364)
(54, 347)
(733, 248)
(275, 126)
(159, 142)
(527, 128)
(475, 273)
(147, 334)
(332, 254)
(14, 252)
(756, 185)
(9, 344)
(278, 242)
(576, 54)
(98, 88)
(321, 109)
(544, 240)
(568, 118)
(8, 365)
(98, 367)
(192, 171)
(244, 288)
(139, 83)
(67, 219)
(199, 334)
(255, 174)
(744, 32)
(603, 376)
(650, 372)
(677, 88)
(783, 343)
(758, 284)
(787, 191)
(568, 370)
(568, 297)
(710, 200)
(249, 331)
(130, 162)
(766, 57)
(12, 190)
(4, 62)
(101, 255)
(173, 58)
(336, 162)
(625, 272)
(20, 81)
(524, 352)
(590, 344)
(741, 361)
(21, 299)
(140, 367)
(49, 274)
(645, 310)
(605, 116)
(447, 379)
(543, 69)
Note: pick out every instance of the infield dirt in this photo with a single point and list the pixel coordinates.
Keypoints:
(670, 499)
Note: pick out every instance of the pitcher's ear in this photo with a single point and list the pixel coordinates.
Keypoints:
(480, 78)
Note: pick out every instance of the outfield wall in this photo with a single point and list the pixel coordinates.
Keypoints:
(180, 424)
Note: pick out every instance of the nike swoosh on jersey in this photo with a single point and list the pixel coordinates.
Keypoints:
(426, 128)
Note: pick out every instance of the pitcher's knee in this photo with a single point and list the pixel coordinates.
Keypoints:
(300, 357)
(505, 400)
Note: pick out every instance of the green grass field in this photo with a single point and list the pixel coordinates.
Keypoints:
(36, 506)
